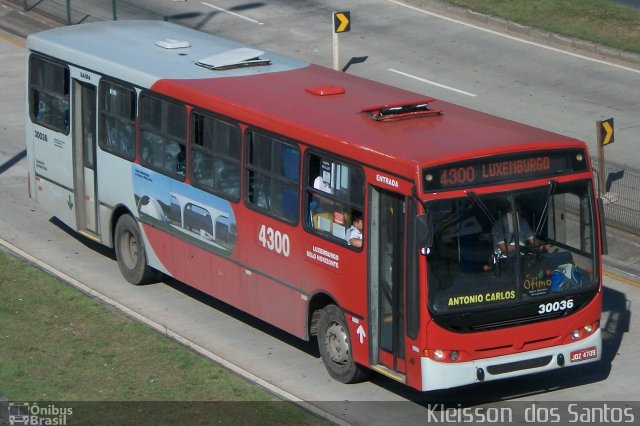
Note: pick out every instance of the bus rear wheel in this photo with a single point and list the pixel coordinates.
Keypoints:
(131, 254)
(335, 348)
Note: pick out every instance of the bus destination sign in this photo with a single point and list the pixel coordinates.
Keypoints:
(510, 168)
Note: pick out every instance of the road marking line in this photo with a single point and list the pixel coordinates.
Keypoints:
(232, 13)
(15, 40)
(162, 329)
(510, 37)
(621, 278)
(433, 83)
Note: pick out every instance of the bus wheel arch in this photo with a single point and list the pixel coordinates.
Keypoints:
(115, 216)
(131, 253)
(316, 304)
(335, 346)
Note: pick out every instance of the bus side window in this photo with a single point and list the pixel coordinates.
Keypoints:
(163, 125)
(117, 112)
(49, 94)
(273, 176)
(215, 154)
(335, 196)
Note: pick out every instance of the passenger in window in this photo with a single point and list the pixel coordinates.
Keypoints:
(181, 165)
(318, 203)
(322, 185)
(354, 233)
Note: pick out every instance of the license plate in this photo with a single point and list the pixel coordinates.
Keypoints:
(584, 354)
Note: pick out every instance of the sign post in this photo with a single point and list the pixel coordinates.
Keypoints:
(341, 24)
(604, 130)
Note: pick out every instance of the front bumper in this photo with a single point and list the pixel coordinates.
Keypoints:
(443, 375)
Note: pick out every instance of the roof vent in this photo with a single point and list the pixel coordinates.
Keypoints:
(403, 110)
(237, 58)
(169, 43)
(325, 90)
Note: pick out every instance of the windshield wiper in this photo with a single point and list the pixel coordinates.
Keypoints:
(481, 205)
(543, 216)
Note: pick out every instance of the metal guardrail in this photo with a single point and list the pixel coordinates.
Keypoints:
(28, 5)
(621, 196)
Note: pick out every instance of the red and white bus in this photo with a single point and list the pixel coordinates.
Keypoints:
(241, 172)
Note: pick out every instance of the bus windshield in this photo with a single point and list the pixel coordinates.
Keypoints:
(512, 249)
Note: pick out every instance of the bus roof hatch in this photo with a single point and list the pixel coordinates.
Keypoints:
(402, 110)
(169, 43)
(236, 58)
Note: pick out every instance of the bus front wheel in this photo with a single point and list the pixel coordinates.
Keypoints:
(335, 348)
(131, 254)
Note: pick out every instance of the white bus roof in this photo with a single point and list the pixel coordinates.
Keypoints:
(142, 52)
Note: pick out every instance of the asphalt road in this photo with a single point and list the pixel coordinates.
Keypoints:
(412, 45)
(285, 362)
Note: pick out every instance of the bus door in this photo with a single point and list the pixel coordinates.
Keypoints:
(387, 219)
(84, 156)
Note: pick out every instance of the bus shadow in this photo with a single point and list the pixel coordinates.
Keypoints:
(615, 320)
(87, 242)
(13, 161)
(309, 347)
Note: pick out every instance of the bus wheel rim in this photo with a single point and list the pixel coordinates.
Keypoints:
(337, 344)
(129, 250)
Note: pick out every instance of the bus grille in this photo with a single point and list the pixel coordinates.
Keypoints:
(513, 322)
(519, 365)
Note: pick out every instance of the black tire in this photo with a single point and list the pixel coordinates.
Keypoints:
(334, 344)
(131, 254)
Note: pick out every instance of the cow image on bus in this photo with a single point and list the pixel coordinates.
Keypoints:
(240, 172)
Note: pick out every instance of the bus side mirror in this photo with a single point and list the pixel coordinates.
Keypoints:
(603, 227)
(424, 233)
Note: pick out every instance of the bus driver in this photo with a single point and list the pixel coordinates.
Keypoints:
(504, 236)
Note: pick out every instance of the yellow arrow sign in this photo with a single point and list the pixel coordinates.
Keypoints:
(606, 131)
(341, 22)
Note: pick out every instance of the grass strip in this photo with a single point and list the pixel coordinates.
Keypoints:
(57, 344)
(598, 21)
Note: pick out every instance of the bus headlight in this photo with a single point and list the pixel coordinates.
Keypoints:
(444, 355)
(583, 332)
